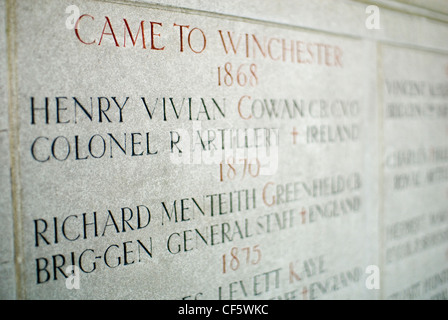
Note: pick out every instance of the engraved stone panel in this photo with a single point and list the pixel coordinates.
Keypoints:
(415, 203)
(165, 149)
(171, 155)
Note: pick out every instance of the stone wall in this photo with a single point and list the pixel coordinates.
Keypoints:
(224, 150)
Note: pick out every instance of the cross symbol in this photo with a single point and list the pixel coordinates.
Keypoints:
(303, 215)
(294, 134)
(304, 292)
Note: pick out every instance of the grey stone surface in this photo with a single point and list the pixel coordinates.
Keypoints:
(231, 150)
(415, 113)
(7, 270)
(435, 5)
(399, 22)
(316, 99)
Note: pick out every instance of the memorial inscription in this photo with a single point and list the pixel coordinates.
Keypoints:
(415, 113)
(156, 152)
(174, 155)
